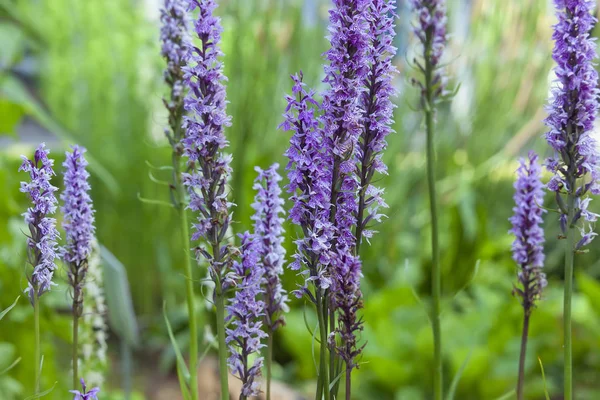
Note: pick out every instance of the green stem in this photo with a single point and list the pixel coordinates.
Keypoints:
(189, 286)
(323, 369)
(37, 349)
(569, 253)
(436, 284)
(268, 361)
(521, 381)
(348, 383)
(223, 372)
(75, 349)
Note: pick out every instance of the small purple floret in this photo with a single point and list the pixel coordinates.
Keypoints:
(92, 394)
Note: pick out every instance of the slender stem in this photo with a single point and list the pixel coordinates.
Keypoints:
(348, 383)
(268, 362)
(569, 253)
(189, 288)
(37, 349)
(521, 381)
(223, 372)
(332, 355)
(323, 370)
(436, 285)
(75, 348)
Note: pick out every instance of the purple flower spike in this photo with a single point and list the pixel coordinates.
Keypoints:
(347, 299)
(378, 113)
(246, 313)
(528, 247)
(309, 187)
(78, 213)
(92, 394)
(41, 245)
(342, 113)
(268, 205)
(175, 50)
(572, 111)
(78, 222)
(430, 29)
(204, 138)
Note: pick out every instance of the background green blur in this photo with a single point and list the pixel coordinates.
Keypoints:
(90, 72)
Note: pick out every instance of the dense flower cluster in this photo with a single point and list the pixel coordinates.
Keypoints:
(378, 113)
(78, 221)
(41, 244)
(345, 73)
(430, 29)
(92, 394)
(309, 186)
(175, 50)
(246, 313)
(268, 206)
(93, 330)
(572, 111)
(204, 137)
(528, 246)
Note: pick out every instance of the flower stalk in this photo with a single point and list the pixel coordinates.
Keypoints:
(572, 109)
(430, 30)
(175, 50)
(42, 238)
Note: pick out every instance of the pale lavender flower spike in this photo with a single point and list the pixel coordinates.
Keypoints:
(41, 244)
(246, 313)
(78, 221)
(268, 206)
(572, 110)
(528, 246)
(92, 394)
(204, 138)
(309, 187)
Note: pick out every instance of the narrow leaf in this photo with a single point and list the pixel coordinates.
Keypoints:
(6, 310)
(42, 394)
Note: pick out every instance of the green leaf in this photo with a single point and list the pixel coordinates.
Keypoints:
(11, 366)
(42, 394)
(507, 396)
(456, 379)
(11, 116)
(183, 373)
(544, 379)
(122, 317)
(15, 91)
(6, 310)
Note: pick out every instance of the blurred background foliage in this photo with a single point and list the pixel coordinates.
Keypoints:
(90, 72)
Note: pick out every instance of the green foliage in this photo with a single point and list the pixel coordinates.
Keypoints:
(97, 81)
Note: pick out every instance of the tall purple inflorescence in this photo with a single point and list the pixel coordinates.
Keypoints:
(92, 394)
(309, 187)
(528, 247)
(175, 50)
(431, 32)
(378, 114)
(78, 222)
(268, 230)
(41, 245)
(204, 139)
(572, 111)
(246, 313)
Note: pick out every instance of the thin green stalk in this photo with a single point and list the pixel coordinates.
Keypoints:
(348, 383)
(569, 254)
(436, 284)
(37, 350)
(75, 349)
(521, 380)
(268, 361)
(189, 286)
(323, 369)
(223, 372)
